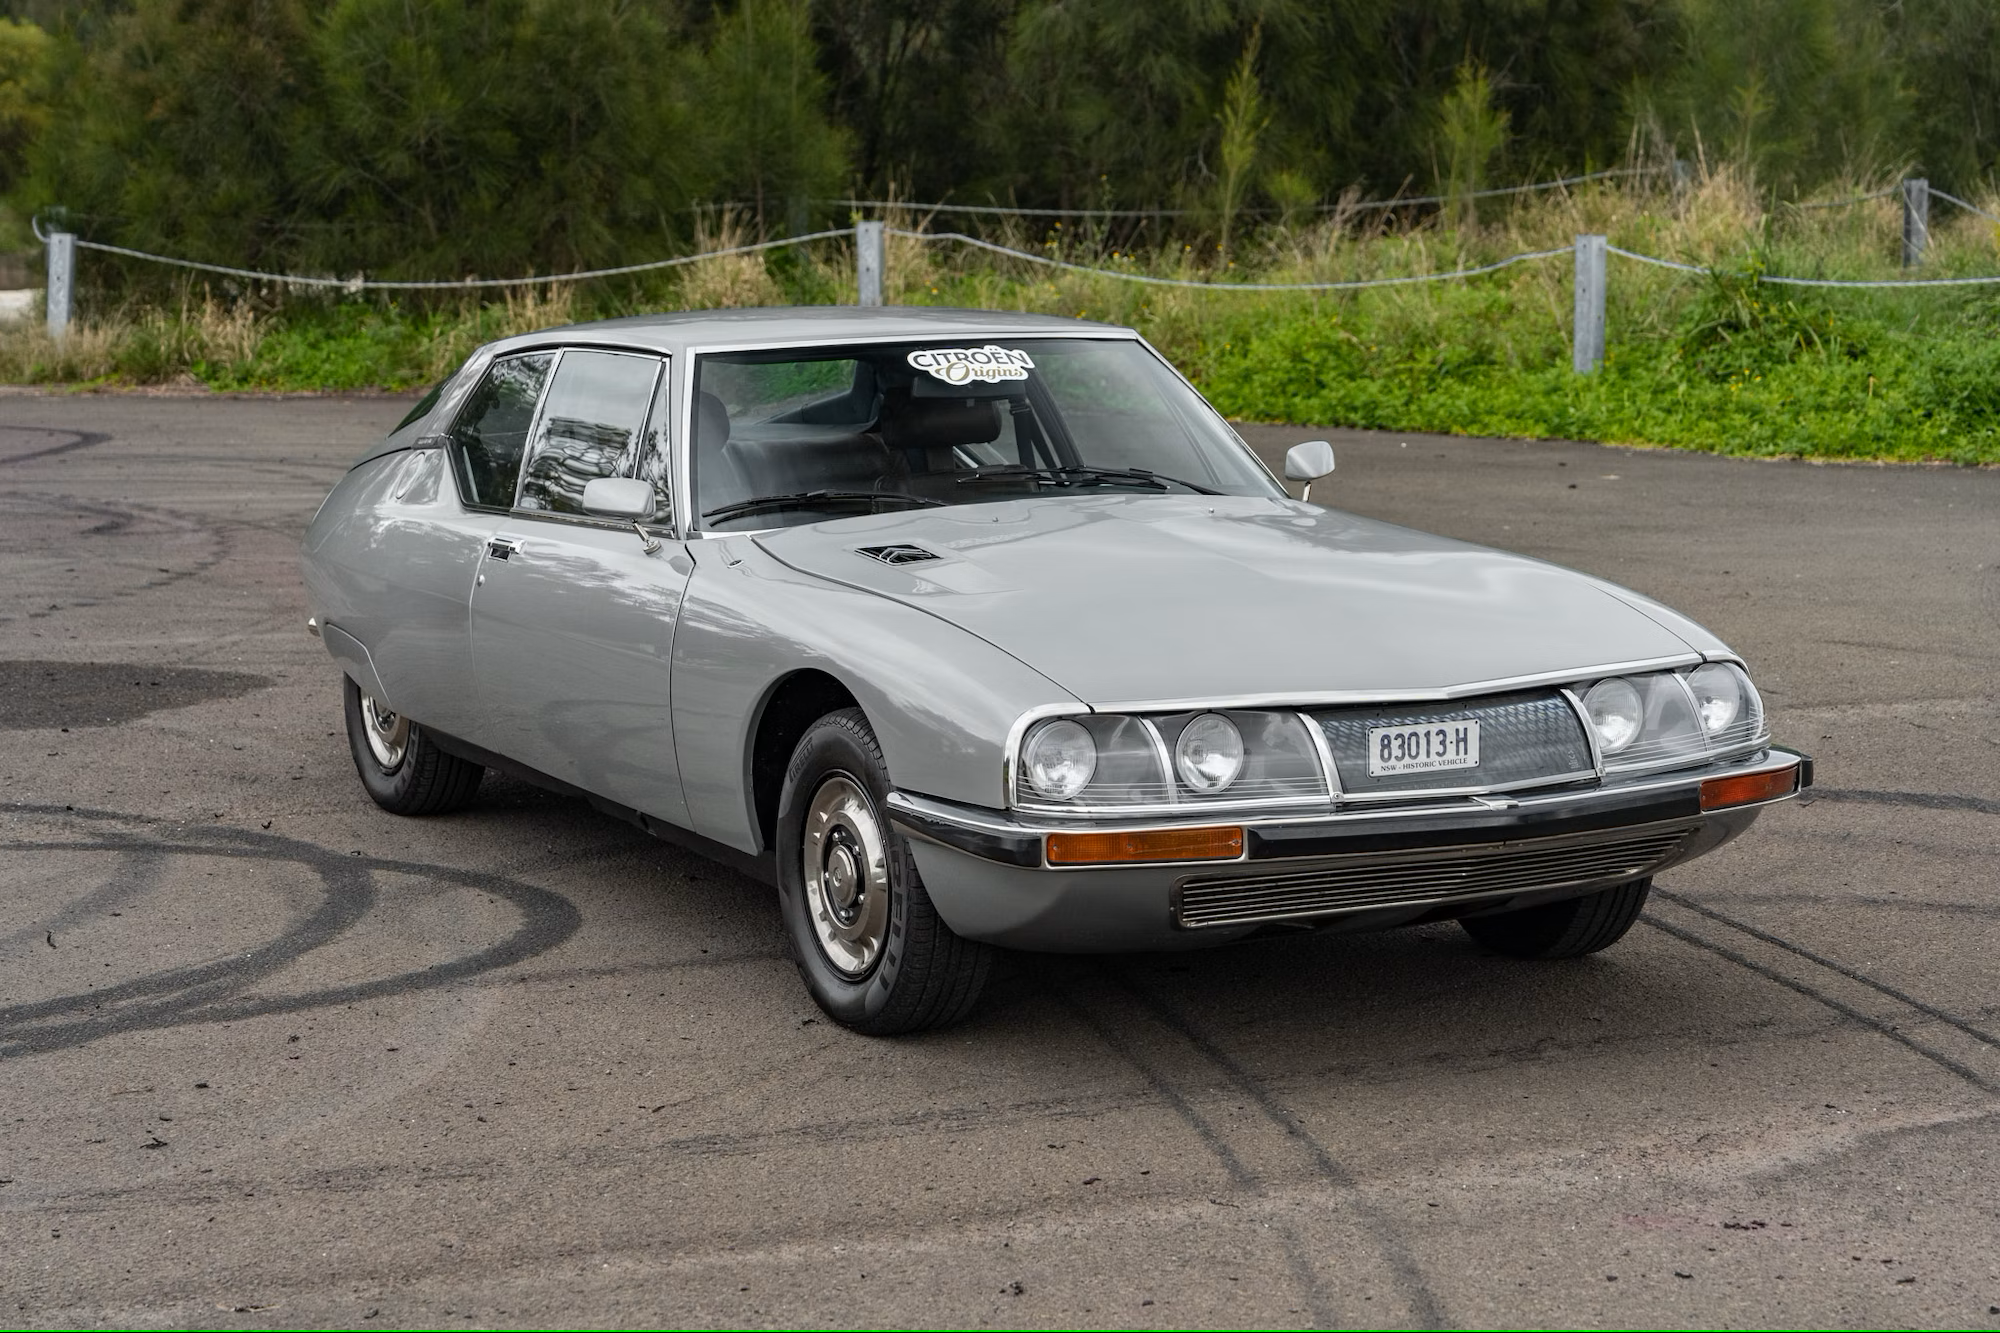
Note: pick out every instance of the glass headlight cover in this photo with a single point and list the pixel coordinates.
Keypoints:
(1209, 754)
(1665, 718)
(1058, 759)
(1617, 713)
(1721, 696)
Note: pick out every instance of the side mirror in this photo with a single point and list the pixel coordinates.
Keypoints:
(1308, 462)
(625, 498)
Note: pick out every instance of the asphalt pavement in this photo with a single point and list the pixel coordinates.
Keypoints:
(269, 1056)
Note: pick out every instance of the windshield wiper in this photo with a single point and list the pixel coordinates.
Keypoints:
(814, 499)
(1082, 476)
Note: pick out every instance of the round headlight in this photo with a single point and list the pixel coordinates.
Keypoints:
(1616, 711)
(1058, 759)
(1209, 753)
(1718, 696)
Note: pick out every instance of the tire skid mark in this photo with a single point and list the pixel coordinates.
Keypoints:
(1423, 1301)
(1317, 1299)
(1921, 799)
(1859, 900)
(1869, 1021)
(81, 439)
(1832, 965)
(812, 1136)
(114, 520)
(214, 992)
(138, 875)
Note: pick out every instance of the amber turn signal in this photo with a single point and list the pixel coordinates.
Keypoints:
(1180, 844)
(1719, 793)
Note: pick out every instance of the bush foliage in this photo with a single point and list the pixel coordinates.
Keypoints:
(435, 138)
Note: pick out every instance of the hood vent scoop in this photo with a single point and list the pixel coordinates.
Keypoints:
(902, 554)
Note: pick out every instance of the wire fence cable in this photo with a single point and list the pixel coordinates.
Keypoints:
(1970, 208)
(1048, 261)
(1806, 282)
(1149, 280)
(373, 284)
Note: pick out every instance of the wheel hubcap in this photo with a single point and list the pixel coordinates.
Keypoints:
(846, 870)
(388, 733)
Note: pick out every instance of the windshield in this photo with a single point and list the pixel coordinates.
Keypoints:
(804, 435)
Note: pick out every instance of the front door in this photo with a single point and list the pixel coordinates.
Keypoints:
(433, 533)
(572, 617)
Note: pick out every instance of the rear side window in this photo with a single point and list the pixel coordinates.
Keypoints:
(589, 427)
(491, 433)
(424, 405)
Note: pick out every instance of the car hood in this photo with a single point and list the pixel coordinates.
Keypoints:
(1126, 598)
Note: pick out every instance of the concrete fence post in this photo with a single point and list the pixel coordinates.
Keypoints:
(62, 280)
(868, 262)
(1587, 350)
(1916, 221)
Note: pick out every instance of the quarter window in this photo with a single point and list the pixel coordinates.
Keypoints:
(589, 427)
(492, 432)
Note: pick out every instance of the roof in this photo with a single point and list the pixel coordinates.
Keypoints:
(765, 325)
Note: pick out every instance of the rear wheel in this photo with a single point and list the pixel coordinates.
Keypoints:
(403, 769)
(1568, 929)
(871, 949)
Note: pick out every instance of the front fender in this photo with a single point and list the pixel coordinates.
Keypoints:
(941, 700)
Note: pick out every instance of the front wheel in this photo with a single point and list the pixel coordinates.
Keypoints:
(871, 949)
(403, 769)
(1568, 929)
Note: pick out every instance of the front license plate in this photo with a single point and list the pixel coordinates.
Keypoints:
(1427, 749)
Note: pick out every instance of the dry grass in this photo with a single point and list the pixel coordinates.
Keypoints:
(144, 346)
(1519, 316)
(726, 281)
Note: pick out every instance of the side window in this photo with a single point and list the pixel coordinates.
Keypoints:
(589, 427)
(491, 433)
(656, 458)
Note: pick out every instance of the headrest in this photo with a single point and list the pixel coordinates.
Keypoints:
(711, 421)
(938, 423)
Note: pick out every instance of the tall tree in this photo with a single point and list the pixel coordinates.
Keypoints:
(174, 128)
(763, 101)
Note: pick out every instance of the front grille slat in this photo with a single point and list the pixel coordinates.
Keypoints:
(1244, 899)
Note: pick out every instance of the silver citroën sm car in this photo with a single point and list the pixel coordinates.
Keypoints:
(969, 630)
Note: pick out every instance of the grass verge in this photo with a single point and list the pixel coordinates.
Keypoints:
(1719, 362)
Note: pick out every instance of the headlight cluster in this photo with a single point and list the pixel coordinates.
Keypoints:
(1113, 764)
(1123, 762)
(1665, 717)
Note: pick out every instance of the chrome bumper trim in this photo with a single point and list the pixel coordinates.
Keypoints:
(1412, 825)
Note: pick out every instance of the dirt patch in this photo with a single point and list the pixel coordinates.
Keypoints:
(104, 694)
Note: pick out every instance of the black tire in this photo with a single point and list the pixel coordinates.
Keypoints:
(922, 975)
(424, 780)
(1568, 929)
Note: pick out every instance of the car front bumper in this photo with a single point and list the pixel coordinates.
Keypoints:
(1357, 868)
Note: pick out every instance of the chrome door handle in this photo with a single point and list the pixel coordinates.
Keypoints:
(502, 548)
